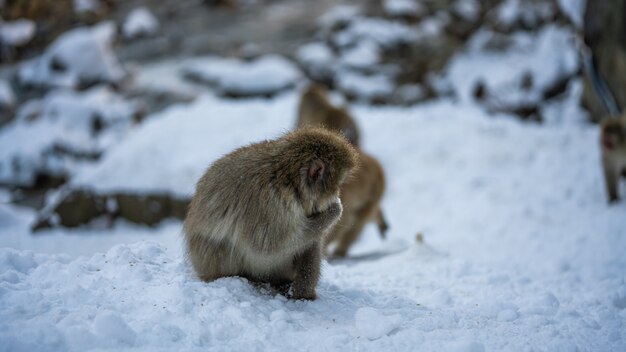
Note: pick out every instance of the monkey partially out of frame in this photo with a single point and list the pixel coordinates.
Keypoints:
(262, 211)
(613, 146)
(362, 193)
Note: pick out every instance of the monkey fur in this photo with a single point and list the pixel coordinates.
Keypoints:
(316, 110)
(613, 146)
(262, 211)
(362, 193)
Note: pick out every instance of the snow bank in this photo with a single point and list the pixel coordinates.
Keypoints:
(387, 34)
(542, 59)
(7, 98)
(82, 55)
(16, 33)
(190, 138)
(61, 128)
(265, 75)
(140, 22)
(409, 8)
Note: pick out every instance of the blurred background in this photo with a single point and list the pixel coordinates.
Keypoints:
(111, 110)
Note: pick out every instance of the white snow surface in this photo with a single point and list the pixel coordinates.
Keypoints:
(16, 33)
(140, 21)
(7, 97)
(546, 56)
(81, 54)
(61, 119)
(520, 253)
(403, 7)
(267, 74)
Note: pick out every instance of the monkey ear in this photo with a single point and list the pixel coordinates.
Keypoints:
(317, 169)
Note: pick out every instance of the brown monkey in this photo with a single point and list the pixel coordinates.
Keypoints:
(361, 194)
(261, 212)
(316, 110)
(613, 144)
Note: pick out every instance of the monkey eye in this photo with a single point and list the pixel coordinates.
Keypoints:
(608, 143)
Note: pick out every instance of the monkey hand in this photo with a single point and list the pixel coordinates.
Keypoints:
(320, 222)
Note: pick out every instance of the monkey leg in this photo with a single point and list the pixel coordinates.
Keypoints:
(610, 181)
(354, 229)
(348, 237)
(382, 223)
(307, 265)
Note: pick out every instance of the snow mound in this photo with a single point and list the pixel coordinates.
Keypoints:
(61, 128)
(140, 22)
(265, 75)
(87, 6)
(80, 56)
(373, 325)
(7, 97)
(190, 138)
(409, 8)
(386, 33)
(16, 33)
(534, 65)
(143, 296)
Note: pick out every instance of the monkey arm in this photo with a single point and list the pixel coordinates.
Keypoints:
(307, 265)
(317, 224)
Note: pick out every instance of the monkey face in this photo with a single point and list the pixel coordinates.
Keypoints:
(613, 137)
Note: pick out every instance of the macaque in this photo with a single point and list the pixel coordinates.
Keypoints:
(262, 211)
(361, 194)
(613, 144)
(316, 110)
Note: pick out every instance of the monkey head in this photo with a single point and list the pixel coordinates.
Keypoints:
(613, 136)
(318, 161)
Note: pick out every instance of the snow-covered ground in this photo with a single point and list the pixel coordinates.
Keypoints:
(520, 250)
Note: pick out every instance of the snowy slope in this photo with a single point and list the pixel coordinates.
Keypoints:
(521, 253)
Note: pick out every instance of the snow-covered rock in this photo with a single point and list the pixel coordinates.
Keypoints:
(534, 64)
(404, 8)
(386, 33)
(140, 22)
(82, 55)
(60, 128)
(266, 75)
(7, 97)
(87, 6)
(365, 87)
(16, 33)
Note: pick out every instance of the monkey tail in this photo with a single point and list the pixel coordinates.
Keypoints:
(382, 223)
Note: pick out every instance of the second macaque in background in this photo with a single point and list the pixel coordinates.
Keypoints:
(362, 192)
(613, 145)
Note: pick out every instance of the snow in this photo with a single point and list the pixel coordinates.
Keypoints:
(315, 54)
(403, 8)
(364, 55)
(574, 9)
(62, 119)
(387, 34)
(7, 98)
(87, 6)
(546, 56)
(267, 74)
(468, 9)
(16, 33)
(81, 55)
(365, 87)
(520, 250)
(140, 21)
